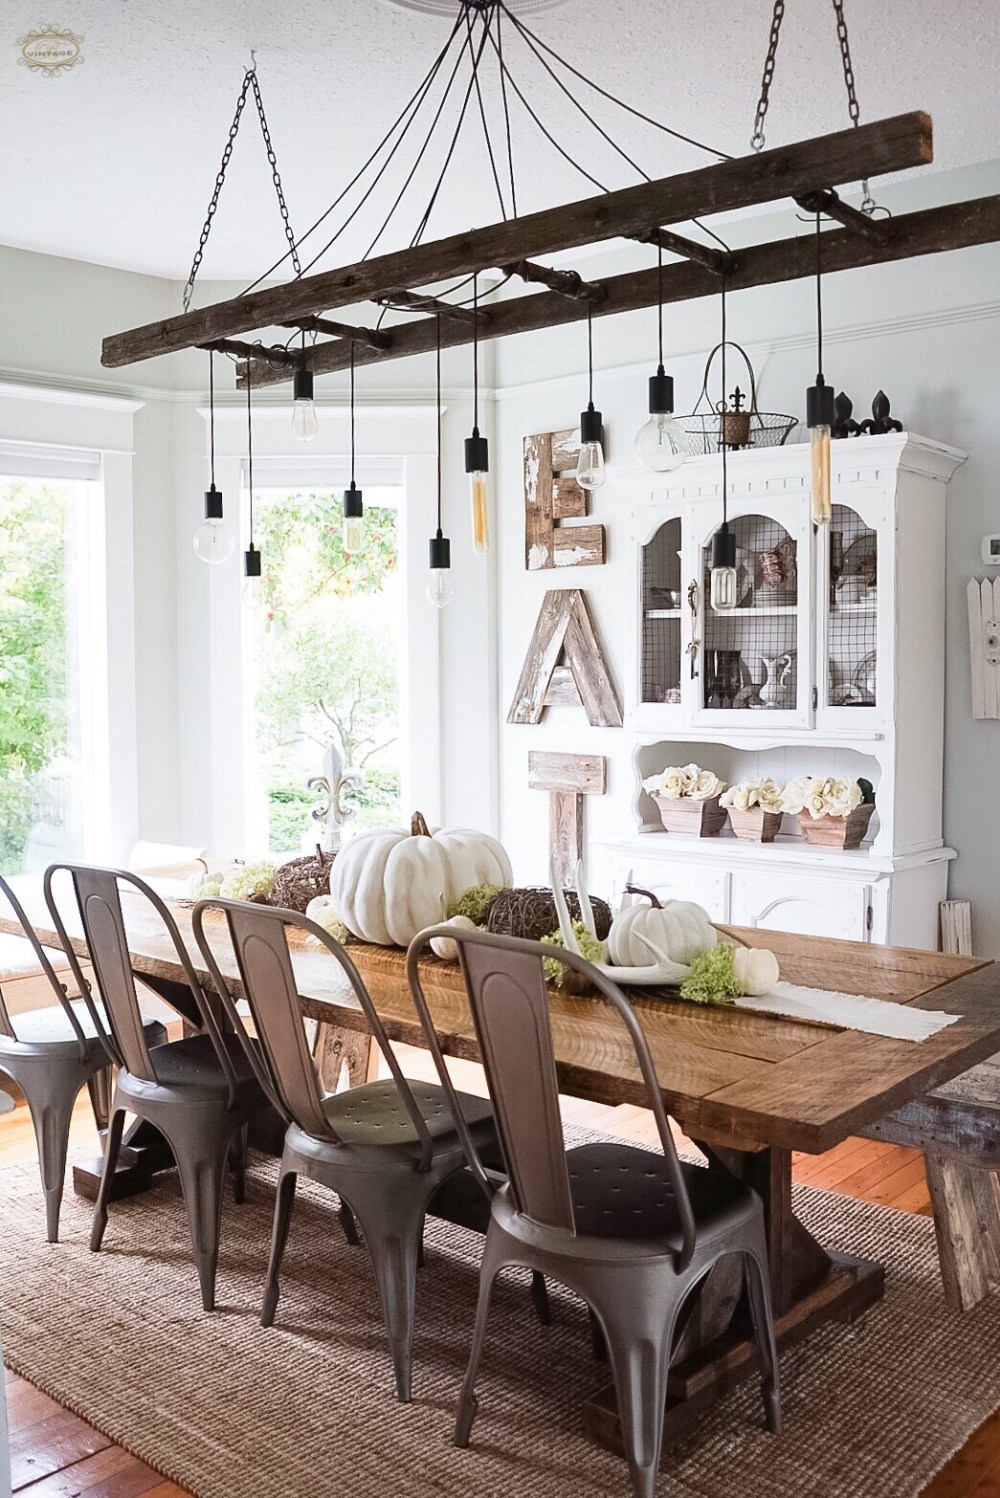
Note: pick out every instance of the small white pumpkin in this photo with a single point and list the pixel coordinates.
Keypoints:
(390, 884)
(323, 911)
(680, 930)
(756, 969)
(446, 947)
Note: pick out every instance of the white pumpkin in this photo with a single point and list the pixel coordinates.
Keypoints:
(446, 947)
(390, 884)
(679, 930)
(324, 912)
(756, 969)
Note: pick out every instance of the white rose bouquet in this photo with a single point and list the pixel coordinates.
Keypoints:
(821, 796)
(691, 781)
(748, 793)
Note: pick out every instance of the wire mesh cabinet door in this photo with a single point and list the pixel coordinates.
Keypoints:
(755, 661)
(656, 689)
(855, 610)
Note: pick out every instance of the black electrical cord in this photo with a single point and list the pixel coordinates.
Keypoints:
(722, 415)
(352, 413)
(819, 300)
(211, 415)
(475, 353)
(482, 115)
(250, 450)
(438, 371)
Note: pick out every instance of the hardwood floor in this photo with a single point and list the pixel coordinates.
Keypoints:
(55, 1454)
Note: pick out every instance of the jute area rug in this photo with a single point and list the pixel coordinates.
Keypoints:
(307, 1408)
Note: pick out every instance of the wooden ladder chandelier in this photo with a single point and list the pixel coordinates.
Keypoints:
(266, 327)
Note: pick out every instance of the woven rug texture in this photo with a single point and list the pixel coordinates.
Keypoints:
(307, 1408)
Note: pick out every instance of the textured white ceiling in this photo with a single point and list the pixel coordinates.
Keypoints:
(114, 162)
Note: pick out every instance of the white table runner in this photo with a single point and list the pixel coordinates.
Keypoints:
(852, 1011)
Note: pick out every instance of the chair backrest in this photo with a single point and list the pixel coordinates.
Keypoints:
(98, 899)
(284, 1064)
(510, 1004)
(6, 1023)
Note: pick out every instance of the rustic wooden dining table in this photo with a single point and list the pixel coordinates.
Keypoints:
(750, 1088)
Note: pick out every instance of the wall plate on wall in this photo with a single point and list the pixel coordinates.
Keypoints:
(991, 550)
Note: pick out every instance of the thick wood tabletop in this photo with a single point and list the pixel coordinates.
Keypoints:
(733, 1077)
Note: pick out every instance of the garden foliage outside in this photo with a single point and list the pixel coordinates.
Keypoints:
(326, 654)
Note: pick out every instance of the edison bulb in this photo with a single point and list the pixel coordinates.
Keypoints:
(354, 532)
(480, 512)
(439, 587)
(251, 592)
(722, 594)
(819, 447)
(590, 467)
(661, 444)
(214, 542)
(304, 422)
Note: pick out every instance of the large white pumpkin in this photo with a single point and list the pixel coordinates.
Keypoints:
(679, 929)
(389, 884)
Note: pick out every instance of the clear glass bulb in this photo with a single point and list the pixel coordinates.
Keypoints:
(251, 592)
(661, 444)
(214, 542)
(819, 446)
(304, 422)
(439, 587)
(590, 467)
(480, 512)
(722, 594)
(354, 532)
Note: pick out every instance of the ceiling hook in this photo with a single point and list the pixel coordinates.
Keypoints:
(253, 61)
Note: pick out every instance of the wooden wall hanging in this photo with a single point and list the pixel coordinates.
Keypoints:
(567, 778)
(984, 645)
(565, 665)
(551, 495)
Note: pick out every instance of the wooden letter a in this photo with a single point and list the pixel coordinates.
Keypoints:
(564, 664)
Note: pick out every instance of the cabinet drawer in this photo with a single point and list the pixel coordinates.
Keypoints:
(806, 904)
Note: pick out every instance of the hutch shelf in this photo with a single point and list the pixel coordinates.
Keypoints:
(832, 663)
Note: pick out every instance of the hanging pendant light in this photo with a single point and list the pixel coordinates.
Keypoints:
(723, 581)
(439, 584)
(354, 530)
(590, 472)
(304, 423)
(251, 557)
(819, 412)
(214, 542)
(477, 448)
(661, 445)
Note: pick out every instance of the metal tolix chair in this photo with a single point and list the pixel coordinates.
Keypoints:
(632, 1232)
(50, 1053)
(199, 1092)
(384, 1147)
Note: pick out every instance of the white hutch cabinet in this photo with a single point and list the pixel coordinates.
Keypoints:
(832, 663)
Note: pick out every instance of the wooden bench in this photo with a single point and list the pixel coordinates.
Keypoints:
(958, 1128)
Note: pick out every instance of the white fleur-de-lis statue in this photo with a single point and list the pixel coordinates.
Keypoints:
(332, 784)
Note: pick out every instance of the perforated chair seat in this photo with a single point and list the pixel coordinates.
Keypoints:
(620, 1191)
(192, 1065)
(375, 1115)
(51, 1028)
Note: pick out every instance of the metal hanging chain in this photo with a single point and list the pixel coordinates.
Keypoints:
(767, 78)
(249, 82)
(868, 204)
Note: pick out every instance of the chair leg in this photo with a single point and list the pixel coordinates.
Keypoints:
(283, 1204)
(540, 1298)
(468, 1404)
(349, 1225)
(99, 1086)
(759, 1297)
(112, 1147)
(638, 1333)
(392, 1229)
(201, 1164)
(238, 1165)
(50, 1100)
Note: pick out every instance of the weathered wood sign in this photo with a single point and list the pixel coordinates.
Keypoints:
(551, 495)
(984, 645)
(565, 665)
(567, 778)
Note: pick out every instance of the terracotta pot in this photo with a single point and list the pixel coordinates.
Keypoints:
(837, 832)
(752, 824)
(693, 818)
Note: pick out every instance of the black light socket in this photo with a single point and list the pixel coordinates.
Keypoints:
(440, 552)
(302, 384)
(353, 507)
(661, 394)
(819, 404)
(591, 425)
(477, 453)
(213, 503)
(724, 547)
(251, 562)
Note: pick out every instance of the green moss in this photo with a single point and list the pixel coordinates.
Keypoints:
(590, 948)
(712, 979)
(474, 902)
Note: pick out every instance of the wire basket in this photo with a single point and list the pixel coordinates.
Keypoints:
(710, 428)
